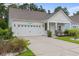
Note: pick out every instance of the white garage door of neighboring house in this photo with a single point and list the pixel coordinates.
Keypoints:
(27, 29)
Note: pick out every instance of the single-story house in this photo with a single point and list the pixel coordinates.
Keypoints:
(75, 21)
(34, 23)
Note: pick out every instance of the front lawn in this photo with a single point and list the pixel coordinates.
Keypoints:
(68, 38)
(27, 53)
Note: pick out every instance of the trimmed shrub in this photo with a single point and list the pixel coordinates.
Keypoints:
(49, 33)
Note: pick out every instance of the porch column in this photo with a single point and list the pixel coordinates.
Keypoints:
(70, 25)
(55, 26)
(47, 25)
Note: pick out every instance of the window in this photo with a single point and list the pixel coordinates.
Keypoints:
(22, 25)
(39, 26)
(31, 25)
(74, 26)
(36, 25)
(18, 25)
(45, 26)
(14, 25)
(25, 25)
(59, 28)
(28, 25)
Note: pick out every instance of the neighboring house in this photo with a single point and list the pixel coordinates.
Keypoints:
(34, 23)
(75, 21)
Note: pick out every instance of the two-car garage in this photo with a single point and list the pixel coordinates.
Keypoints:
(27, 28)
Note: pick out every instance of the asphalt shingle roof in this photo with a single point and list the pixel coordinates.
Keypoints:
(24, 14)
(75, 19)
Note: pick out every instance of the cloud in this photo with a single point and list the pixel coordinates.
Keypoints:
(73, 10)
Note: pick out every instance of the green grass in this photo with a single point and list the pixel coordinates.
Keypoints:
(27, 53)
(68, 38)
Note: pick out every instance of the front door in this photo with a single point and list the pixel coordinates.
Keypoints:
(59, 28)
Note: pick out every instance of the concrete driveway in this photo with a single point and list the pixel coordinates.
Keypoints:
(44, 46)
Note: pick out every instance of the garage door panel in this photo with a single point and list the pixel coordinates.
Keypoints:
(27, 29)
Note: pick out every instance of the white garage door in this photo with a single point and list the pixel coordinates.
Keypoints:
(28, 29)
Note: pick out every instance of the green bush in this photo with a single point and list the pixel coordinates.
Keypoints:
(73, 32)
(8, 33)
(49, 33)
(3, 23)
(14, 45)
(66, 32)
(5, 34)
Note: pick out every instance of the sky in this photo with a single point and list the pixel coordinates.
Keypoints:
(72, 7)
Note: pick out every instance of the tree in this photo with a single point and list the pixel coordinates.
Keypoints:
(57, 9)
(3, 24)
(33, 7)
(24, 6)
(3, 15)
(2, 10)
(66, 11)
(77, 13)
(41, 9)
(48, 11)
(60, 8)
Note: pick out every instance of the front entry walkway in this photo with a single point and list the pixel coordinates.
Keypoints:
(44, 46)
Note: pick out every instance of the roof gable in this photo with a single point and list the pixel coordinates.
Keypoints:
(60, 17)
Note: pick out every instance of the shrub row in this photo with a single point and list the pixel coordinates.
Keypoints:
(72, 32)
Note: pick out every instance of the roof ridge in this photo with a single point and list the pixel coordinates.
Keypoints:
(28, 10)
(28, 15)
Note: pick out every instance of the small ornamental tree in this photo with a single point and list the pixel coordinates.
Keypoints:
(49, 33)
